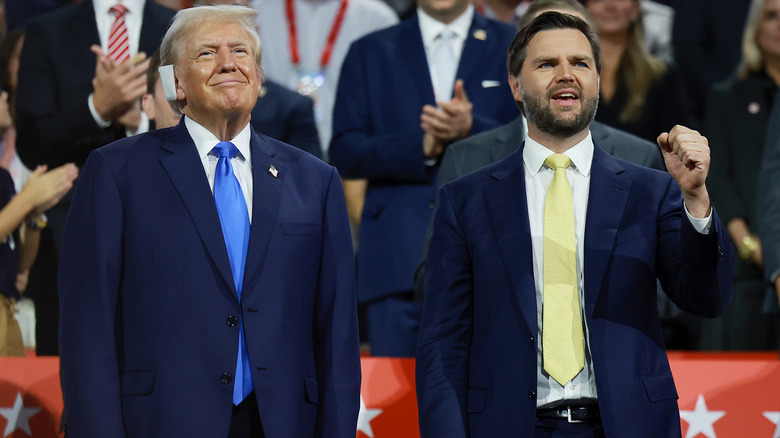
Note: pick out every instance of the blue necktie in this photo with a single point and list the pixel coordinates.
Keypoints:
(234, 218)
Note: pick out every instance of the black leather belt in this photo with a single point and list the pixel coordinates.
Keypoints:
(572, 414)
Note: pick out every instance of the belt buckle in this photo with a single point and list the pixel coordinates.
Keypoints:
(568, 416)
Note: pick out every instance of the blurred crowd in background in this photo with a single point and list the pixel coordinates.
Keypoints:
(60, 100)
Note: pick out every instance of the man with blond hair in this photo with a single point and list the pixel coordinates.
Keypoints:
(207, 279)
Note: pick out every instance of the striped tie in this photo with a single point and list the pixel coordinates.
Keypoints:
(118, 38)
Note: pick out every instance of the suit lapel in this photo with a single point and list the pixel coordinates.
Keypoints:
(412, 51)
(606, 202)
(751, 112)
(266, 196)
(475, 50)
(186, 172)
(508, 212)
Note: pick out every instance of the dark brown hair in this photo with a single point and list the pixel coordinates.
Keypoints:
(518, 49)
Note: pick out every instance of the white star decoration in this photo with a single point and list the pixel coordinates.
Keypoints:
(774, 417)
(364, 418)
(18, 417)
(700, 420)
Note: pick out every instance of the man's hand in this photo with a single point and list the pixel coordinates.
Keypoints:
(432, 146)
(450, 122)
(687, 157)
(118, 86)
(44, 189)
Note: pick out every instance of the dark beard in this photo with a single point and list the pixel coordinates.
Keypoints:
(538, 113)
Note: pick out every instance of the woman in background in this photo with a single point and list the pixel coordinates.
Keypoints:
(736, 119)
(639, 93)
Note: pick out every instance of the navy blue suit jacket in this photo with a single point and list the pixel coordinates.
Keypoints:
(146, 296)
(383, 87)
(288, 117)
(476, 358)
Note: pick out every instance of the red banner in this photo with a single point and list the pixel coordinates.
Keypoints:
(721, 395)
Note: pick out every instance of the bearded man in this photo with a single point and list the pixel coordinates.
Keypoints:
(540, 312)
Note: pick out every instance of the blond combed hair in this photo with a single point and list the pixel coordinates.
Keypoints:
(174, 43)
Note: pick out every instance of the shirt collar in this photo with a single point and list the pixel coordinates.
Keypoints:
(581, 155)
(431, 27)
(205, 140)
(133, 6)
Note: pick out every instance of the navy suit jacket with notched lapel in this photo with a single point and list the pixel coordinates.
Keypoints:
(53, 120)
(146, 296)
(383, 87)
(476, 358)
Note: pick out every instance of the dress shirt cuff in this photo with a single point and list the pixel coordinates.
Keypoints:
(773, 277)
(702, 225)
(99, 120)
(430, 162)
(143, 126)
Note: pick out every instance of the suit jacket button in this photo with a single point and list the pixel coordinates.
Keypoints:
(226, 378)
(432, 204)
(532, 394)
(231, 321)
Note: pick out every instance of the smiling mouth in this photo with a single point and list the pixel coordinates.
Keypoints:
(228, 82)
(564, 96)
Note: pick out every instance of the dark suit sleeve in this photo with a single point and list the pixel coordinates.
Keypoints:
(359, 152)
(302, 128)
(53, 125)
(769, 195)
(442, 359)
(696, 270)
(337, 346)
(89, 279)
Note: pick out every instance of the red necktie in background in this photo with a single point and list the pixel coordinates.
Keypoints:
(118, 38)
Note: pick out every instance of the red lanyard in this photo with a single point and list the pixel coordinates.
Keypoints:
(334, 33)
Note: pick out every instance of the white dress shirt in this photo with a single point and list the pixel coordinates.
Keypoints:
(430, 28)
(314, 20)
(133, 20)
(537, 178)
(242, 163)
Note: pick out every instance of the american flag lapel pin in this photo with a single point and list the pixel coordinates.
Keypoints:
(272, 170)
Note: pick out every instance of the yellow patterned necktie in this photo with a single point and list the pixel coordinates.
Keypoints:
(562, 335)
